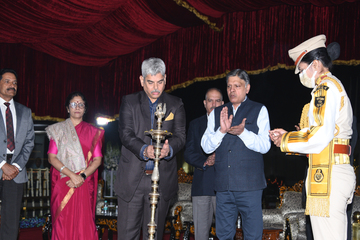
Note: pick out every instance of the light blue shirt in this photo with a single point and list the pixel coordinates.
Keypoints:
(259, 142)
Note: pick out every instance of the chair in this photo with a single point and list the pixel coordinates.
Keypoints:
(181, 211)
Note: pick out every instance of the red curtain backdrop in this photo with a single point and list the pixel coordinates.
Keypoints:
(93, 32)
(250, 40)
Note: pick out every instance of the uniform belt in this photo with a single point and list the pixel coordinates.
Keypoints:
(342, 149)
(8, 157)
(148, 172)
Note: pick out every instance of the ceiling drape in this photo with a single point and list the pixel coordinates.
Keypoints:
(93, 32)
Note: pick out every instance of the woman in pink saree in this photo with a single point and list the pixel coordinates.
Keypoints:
(75, 154)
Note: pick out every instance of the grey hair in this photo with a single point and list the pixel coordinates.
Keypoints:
(242, 74)
(153, 66)
(216, 89)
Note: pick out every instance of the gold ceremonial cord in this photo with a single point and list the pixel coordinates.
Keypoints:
(318, 113)
(304, 120)
(199, 15)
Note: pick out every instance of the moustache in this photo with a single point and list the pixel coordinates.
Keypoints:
(11, 89)
(155, 91)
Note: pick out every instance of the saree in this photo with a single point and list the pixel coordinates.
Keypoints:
(73, 209)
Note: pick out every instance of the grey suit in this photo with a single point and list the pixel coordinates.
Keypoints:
(11, 191)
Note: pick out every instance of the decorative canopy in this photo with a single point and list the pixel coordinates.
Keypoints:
(93, 32)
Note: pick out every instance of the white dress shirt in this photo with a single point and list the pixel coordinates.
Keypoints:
(13, 113)
(259, 142)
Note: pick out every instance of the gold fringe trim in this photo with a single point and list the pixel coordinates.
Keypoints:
(199, 15)
(47, 118)
(55, 119)
(223, 75)
(304, 119)
(198, 79)
(254, 72)
(317, 206)
(352, 62)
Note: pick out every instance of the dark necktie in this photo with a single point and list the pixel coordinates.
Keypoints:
(9, 128)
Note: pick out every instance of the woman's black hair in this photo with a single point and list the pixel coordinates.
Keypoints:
(324, 55)
(75, 94)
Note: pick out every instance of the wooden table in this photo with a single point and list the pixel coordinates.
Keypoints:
(268, 234)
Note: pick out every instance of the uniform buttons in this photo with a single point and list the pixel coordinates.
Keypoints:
(229, 166)
(229, 151)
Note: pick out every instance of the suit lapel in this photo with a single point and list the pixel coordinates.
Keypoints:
(203, 125)
(2, 125)
(19, 131)
(18, 118)
(145, 109)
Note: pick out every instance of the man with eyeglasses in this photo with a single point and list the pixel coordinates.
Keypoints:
(133, 179)
(17, 134)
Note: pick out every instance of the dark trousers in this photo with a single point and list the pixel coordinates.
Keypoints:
(11, 194)
(248, 204)
(136, 214)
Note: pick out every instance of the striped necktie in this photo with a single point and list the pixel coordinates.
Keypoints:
(9, 128)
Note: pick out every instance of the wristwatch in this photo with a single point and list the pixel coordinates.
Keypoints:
(83, 175)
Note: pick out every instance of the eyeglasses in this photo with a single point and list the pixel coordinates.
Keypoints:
(74, 105)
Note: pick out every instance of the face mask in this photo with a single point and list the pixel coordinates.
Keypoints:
(305, 80)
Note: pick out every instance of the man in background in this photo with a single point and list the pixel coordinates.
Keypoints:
(17, 141)
(202, 189)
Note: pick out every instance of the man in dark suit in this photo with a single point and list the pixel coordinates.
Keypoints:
(17, 142)
(202, 189)
(238, 131)
(133, 180)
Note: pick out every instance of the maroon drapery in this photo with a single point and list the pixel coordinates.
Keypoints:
(93, 32)
(250, 40)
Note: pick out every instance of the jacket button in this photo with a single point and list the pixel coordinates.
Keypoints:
(4, 141)
(3, 155)
(230, 151)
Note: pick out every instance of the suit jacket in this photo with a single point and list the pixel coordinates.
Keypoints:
(203, 181)
(24, 140)
(134, 120)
